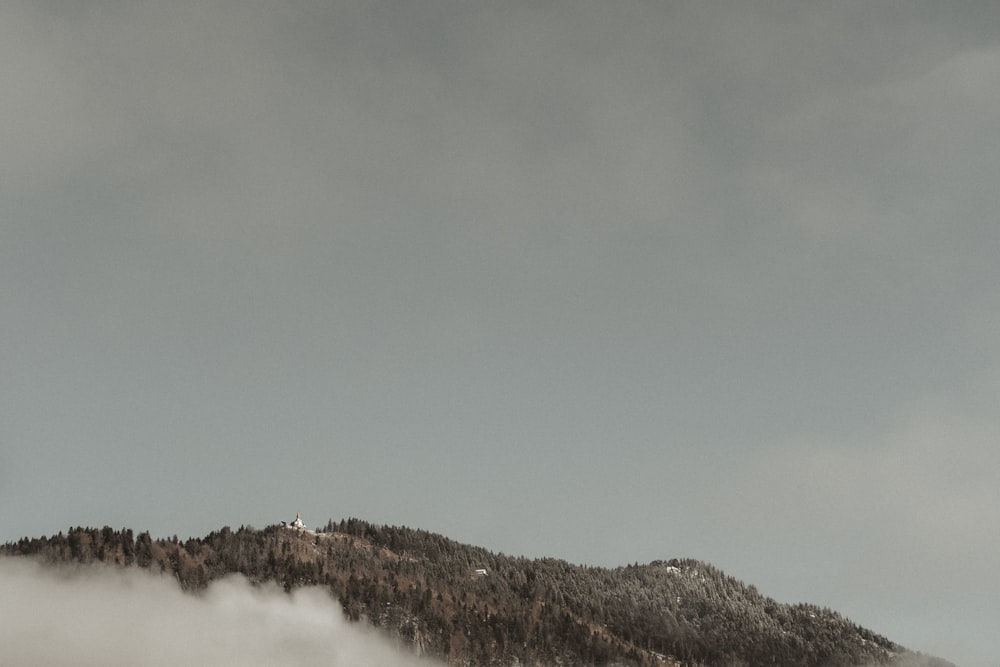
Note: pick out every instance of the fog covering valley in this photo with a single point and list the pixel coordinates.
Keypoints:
(91, 615)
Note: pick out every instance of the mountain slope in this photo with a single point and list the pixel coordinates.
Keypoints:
(473, 607)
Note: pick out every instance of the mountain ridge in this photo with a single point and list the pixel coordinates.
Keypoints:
(470, 606)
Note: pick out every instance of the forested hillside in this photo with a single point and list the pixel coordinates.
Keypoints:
(470, 606)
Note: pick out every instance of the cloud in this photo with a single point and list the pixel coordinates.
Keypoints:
(890, 527)
(913, 500)
(101, 616)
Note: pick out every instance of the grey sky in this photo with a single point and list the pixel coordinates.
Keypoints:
(603, 281)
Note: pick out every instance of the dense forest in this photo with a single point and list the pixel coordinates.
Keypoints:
(469, 606)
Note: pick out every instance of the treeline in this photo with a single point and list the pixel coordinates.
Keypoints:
(430, 592)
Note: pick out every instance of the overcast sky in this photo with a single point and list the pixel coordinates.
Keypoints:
(609, 282)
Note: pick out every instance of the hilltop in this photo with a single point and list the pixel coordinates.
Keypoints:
(470, 606)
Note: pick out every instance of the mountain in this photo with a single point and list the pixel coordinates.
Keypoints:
(470, 606)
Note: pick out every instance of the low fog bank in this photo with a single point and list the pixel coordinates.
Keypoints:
(103, 616)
